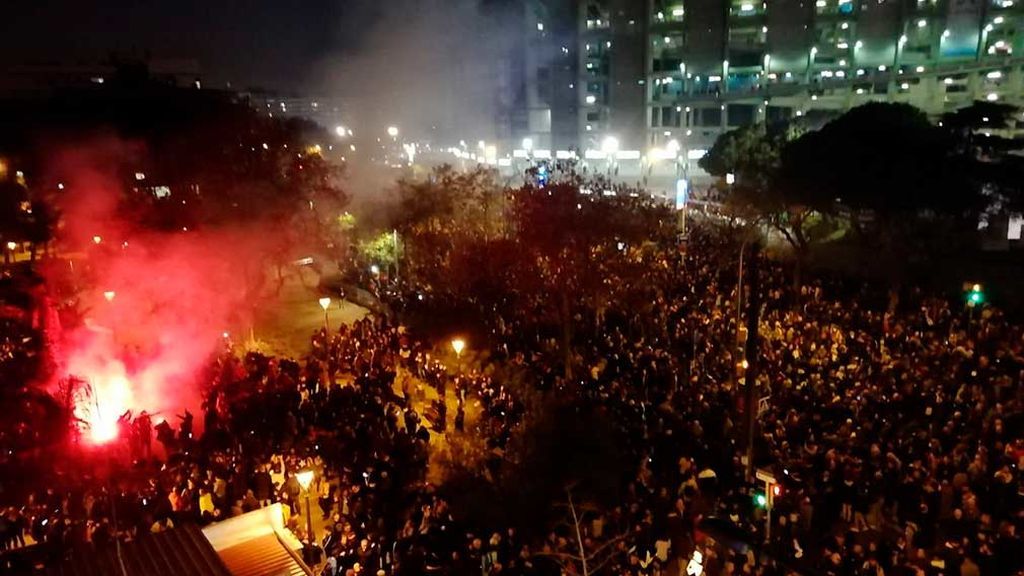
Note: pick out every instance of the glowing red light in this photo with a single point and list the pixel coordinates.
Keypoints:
(108, 396)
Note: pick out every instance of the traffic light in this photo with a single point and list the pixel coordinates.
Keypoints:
(760, 500)
(774, 491)
(976, 296)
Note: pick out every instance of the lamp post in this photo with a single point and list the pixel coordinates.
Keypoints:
(610, 147)
(325, 303)
(305, 479)
(458, 344)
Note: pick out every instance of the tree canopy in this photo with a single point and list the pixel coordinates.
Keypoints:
(888, 159)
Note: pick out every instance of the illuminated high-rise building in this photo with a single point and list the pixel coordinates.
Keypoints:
(667, 77)
(714, 65)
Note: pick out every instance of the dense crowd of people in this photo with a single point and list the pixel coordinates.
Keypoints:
(894, 432)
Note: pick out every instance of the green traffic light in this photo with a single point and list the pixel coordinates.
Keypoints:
(760, 500)
(975, 295)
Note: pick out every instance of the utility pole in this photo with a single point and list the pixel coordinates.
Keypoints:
(753, 342)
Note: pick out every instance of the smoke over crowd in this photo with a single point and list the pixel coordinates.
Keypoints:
(154, 305)
(438, 69)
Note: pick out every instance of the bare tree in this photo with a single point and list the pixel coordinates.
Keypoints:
(583, 561)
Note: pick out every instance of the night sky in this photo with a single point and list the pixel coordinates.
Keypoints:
(269, 43)
(428, 66)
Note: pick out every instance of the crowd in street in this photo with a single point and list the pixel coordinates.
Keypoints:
(895, 433)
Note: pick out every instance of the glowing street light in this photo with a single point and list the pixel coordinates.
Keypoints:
(325, 303)
(610, 146)
(109, 295)
(12, 246)
(305, 479)
(458, 344)
(341, 131)
(393, 131)
(528, 144)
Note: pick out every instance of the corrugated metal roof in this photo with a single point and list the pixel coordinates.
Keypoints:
(262, 556)
(182, 551)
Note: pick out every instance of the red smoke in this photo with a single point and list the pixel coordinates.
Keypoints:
(156, 304)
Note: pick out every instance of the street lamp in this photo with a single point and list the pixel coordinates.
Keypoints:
(393, 131)
(305, 479)
(325, 303)
(610, 148)
(610, 145)
(458, 344)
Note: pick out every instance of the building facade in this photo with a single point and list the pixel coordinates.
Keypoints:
(612, 85)
(666, 77)
(548, 110)
(327, 111)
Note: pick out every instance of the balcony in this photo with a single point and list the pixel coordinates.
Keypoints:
(668, 13)
(834, 8)
(747, 8)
